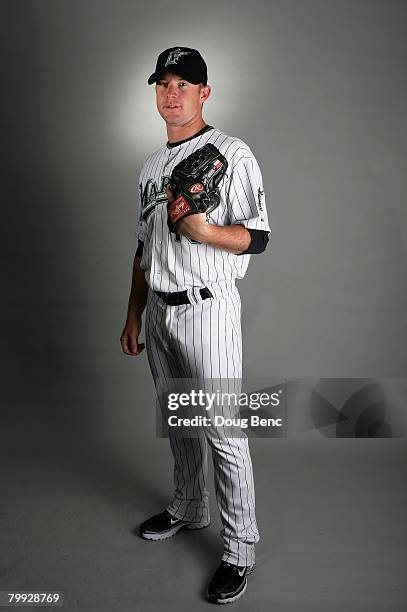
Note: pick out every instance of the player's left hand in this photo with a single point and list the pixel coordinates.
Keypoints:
(194, 226)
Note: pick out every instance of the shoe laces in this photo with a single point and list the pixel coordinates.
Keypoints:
(232, 565)
(169, 514)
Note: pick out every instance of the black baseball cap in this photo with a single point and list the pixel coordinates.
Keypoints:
(187, 63)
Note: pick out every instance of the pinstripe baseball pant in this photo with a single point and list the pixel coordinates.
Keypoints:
(202, 340)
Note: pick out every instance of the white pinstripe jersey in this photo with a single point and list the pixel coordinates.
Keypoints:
(174, 264)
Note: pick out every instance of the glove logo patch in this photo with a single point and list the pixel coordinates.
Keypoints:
(178, 209)
(196, 188)
(216, 167)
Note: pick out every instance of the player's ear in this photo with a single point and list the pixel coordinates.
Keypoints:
(205, 92)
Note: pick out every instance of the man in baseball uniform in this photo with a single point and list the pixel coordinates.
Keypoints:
(185, 282)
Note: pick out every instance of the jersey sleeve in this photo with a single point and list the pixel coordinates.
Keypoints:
(245, 195)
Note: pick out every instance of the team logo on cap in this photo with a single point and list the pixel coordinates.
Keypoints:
(196, 188)
(174, 56)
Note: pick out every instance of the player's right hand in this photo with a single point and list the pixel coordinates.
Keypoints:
(129, 338)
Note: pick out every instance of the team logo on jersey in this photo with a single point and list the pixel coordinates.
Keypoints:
(151, 195)
(174, 56)
(196, 188)
(178, 208)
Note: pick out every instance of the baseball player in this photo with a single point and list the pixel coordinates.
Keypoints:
(195, 238)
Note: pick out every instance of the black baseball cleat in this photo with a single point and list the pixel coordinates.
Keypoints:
(164, 525)
(228, 583)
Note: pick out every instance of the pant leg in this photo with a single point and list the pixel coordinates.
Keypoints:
(207, 335)
(191, 497)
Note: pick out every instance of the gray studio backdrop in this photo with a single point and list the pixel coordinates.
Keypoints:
(318, 90)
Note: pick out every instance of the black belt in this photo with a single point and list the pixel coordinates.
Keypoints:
(181, 297)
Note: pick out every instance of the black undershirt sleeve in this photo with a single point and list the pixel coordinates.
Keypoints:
(258, 243)
(139, 252)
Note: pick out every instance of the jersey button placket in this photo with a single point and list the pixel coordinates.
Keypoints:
(156, 250)
(160, 216)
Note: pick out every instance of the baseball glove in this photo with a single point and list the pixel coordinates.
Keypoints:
(194, 183)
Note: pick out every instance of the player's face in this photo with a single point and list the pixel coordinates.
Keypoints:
(178, 101)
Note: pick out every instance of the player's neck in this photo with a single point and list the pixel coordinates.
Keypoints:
(177, 133)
